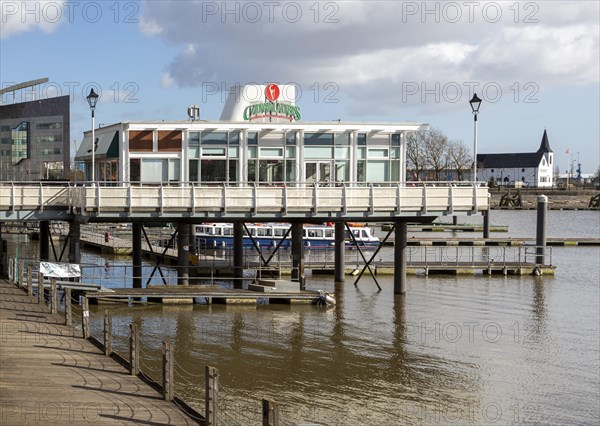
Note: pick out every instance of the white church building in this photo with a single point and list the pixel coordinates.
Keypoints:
(533, 169)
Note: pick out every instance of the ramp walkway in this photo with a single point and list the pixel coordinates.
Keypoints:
(50, 375)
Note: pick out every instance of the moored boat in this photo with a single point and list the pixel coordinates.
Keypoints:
(209, 235)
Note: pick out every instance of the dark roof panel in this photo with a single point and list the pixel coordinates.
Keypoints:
(524, 159)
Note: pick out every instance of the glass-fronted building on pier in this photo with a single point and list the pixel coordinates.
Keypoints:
(261, 141)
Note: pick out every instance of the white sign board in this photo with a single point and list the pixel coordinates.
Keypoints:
(60, 270)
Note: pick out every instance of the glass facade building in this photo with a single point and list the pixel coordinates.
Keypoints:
(34, 140)
(233, 153)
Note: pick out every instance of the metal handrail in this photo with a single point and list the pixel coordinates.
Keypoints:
(390, 198)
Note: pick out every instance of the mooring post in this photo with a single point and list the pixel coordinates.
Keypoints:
(211, 413)
(68, 307)
(340, 252)
(168, 372)
(540, 240)
(40, 288)
(44, 240)
(134, 353)
(53, 296)
(486, 223)
(29, 281)
(400, 248)
(85, 318)
(270, 413)
(107, 333)
(238, 254)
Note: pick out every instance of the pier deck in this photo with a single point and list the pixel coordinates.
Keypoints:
(213, 294)
(49, 374)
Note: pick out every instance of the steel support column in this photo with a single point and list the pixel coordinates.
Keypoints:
(238, 254)
(136, 245)
(74, 242)
(44, 240)
(400, 248)
(298, 254)
(183, 253)
(340, 252)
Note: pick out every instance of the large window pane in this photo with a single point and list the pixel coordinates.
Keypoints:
(233, 166)
(134, 170)
(318, 139)
(154, 170)
(342, 171)
(213, 170)
(291, 171)
(342, 153)
(193, 170)
(271, 152)
(318, 152)
(211, 138)
(174, 170)
(377, 171)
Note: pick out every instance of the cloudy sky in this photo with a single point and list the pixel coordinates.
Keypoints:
(535, 64)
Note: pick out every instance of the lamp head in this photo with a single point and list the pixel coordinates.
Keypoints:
(475, 103)
(92, 99)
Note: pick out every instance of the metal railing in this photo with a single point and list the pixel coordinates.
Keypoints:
(278, 199)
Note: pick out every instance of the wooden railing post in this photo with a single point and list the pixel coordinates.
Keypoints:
(107, 333)
(168, 370)
(270, 413)
(134, 353)
(29, 281)
(53, 296)
(19, 277)
(40, 288)
(68, 307)
(85, 318)
(211, 414)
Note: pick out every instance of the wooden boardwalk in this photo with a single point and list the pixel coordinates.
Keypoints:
(50, 375)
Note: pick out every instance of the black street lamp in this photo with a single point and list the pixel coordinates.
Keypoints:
(92, 99)
(475, 104)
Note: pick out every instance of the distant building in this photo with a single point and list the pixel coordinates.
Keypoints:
(34, 140)
(535, 169)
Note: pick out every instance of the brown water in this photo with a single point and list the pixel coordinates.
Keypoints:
(468, 350)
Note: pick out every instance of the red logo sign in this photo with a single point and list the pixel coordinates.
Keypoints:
(272, 92)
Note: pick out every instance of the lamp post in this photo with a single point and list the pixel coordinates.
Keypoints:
(92, 99)
(475, 103)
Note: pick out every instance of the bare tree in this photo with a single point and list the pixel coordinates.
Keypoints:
(459, 158)
(415, 152)
(436, 151)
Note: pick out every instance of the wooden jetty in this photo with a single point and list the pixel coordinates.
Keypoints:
(51, 375)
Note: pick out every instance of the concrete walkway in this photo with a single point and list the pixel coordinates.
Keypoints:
(50, 375)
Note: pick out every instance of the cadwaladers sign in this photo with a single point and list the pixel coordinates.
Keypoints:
(271, 108)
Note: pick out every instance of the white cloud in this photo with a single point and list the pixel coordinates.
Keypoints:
(29, 15)
(362, 46)
(150, 27)
(166, 81)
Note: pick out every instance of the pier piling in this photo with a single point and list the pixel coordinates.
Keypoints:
(340, 250)
(542, 208)
(400, 248)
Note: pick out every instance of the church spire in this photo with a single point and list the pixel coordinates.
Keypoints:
(545, 145)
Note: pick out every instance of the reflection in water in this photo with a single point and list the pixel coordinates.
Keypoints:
(468, 350)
